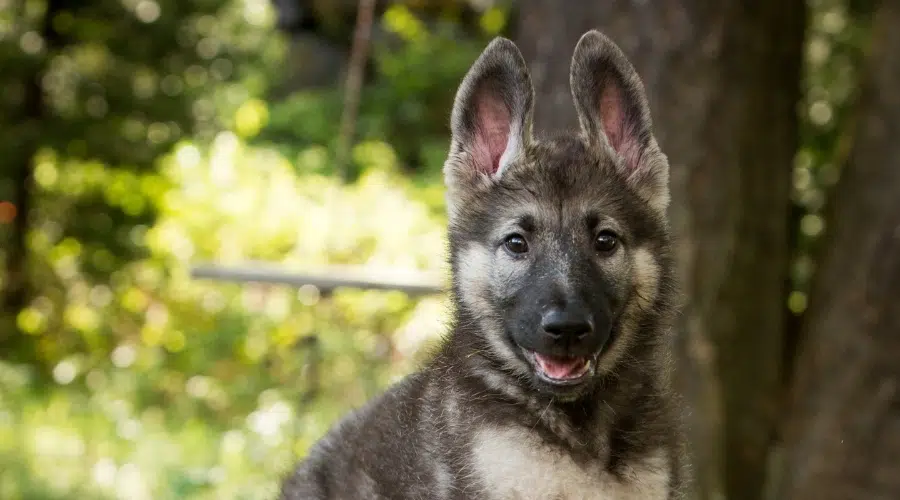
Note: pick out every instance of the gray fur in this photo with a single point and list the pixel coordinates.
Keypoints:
(481, 420)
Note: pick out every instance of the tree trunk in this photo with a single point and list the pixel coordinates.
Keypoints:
(843, 437)
(723, 80)
(17, 290)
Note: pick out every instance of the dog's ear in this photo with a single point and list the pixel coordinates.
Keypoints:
(614, 113)
(491, 119)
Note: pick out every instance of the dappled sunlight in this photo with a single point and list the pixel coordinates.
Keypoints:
(147, 383)
(170, 338)
(248, 204)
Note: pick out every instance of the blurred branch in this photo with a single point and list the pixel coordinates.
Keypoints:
(412, 283)
(358, 55)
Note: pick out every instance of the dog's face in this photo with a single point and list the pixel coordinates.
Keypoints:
(558, 246)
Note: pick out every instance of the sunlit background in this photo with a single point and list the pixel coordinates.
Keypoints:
(166, 134)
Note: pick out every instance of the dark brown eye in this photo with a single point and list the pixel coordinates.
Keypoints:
(606, 242)
(516, 244)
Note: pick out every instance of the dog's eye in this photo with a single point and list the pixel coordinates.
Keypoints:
(606, 241)
(516, 244)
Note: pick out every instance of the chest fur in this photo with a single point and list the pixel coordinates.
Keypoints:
(514, 464)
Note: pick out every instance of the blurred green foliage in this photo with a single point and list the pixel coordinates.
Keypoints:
(406, 103)
(103, 88)
(130, 379)
(158, 149)
(836, 42)
(174, 388)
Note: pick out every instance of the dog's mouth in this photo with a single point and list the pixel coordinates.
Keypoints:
(561, 370)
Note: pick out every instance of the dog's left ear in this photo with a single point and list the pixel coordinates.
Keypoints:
(613, 113)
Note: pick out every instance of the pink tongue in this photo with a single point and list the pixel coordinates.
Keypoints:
(560, 368)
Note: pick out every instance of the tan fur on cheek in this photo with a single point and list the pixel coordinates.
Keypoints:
(477, 271)
(645, 275)
(474, 265)
(645, 272)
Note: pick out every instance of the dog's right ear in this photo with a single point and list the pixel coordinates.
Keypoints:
(491, 120)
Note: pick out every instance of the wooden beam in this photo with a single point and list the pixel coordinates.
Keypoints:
(409, 282)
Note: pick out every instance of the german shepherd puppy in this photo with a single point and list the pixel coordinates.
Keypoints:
(554, 380)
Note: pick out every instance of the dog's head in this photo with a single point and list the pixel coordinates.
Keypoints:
(559, 247)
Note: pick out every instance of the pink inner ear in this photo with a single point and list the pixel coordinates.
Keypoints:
(492, 124)
(619, 130)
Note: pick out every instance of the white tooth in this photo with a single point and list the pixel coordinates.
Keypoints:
(587, 367)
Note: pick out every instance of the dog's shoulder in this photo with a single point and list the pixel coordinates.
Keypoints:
(349, 456)
(515, 462)
(381, 439)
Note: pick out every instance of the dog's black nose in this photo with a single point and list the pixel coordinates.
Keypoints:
(569, 323)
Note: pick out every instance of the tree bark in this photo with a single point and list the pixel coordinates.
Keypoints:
(723, 80)
(843, 436)
(18, 290)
